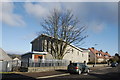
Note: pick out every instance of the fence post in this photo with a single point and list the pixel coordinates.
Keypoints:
(12, 65)
(6, 66)
(34, 63)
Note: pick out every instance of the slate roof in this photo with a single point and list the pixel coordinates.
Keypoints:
(4, 56)
(44, 35)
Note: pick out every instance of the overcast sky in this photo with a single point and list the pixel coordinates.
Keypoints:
(21, 21)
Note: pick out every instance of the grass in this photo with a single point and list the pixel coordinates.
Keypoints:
(8, 72)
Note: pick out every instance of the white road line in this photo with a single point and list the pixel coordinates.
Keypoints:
(102, 69)
(105, 68)
(85, 74)
(53, 76)
(108, 67)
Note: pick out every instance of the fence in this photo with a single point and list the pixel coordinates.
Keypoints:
(14, 65)
(6, 66)
(44, 63)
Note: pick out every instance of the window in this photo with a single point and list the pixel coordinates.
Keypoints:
(78, 52)
(89, 55)
(89, 59)
(72, 50)
(43, 45)
(99, 54)
(40, 57)
(105, 55)
(82, 55)
(74, 64)
(47, 45)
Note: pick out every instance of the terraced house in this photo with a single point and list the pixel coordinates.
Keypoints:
(99, 56)
(43, 43)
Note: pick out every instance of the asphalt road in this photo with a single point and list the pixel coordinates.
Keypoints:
(96, 73)
(101, 74)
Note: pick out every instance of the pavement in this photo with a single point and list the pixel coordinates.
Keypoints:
(96, 73)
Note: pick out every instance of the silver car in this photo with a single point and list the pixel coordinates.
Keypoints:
(77, 68)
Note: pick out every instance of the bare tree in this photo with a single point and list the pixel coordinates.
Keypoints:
(65, 28)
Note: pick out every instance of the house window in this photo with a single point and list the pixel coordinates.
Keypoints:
(82, 55)
(89, 59)
(89, 55)
(78, 52)
(99, 54)
(43, 45)
(72, 50)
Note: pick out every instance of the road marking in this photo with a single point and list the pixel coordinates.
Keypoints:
(97, 73)
(108, 67)
(105, 68)
(53, 76)
(102, 68)
(85, 74)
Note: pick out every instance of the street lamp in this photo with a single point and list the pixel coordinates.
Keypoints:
(94, 58)
(95, 54)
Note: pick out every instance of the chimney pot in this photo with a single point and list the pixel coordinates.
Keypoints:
(92, 47)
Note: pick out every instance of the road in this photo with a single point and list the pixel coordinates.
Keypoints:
(96, 73)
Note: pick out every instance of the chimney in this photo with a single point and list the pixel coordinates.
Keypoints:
(92, 47)
(106, 52)
(101, 50)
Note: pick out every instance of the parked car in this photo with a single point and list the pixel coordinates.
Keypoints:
(114, 64)
(77, 68)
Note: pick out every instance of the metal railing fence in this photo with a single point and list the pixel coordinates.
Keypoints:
(44, 63)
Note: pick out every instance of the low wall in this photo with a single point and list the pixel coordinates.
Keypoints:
(41, 69)
(91, 65)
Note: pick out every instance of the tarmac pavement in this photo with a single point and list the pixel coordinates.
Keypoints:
(96, 73)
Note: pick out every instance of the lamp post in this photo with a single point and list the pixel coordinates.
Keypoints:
(95, 59)
(95, 54)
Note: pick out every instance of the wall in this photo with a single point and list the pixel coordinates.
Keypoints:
(41, 69)
(91, 65)
(26, 56)
(100, 60)
(37, 44)
(5, 66)
(92, 57)
(76, 55)
(48, 56)
(37, 56)
(25, 59)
